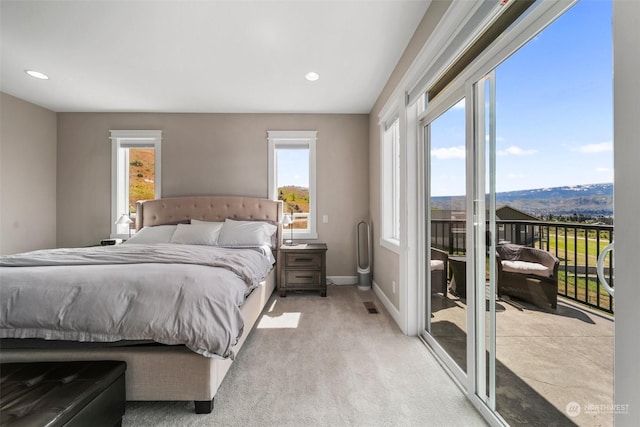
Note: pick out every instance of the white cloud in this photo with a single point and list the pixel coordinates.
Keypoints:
(603, 170)
(601, 147)
(516, 151)
(449, 153)
(459, 105)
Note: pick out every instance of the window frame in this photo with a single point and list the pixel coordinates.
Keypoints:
(119, 168)
(295, 139)
(390, 159)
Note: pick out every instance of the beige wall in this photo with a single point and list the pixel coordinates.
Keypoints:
(214, 154)
(27, 176)
(386, 264)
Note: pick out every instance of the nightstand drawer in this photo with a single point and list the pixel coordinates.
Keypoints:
(297, 278)
(302, 260)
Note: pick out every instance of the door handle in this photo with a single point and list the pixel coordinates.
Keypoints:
(600, 268)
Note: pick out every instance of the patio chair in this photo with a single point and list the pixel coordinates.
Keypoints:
(529, 274)
(439, 269)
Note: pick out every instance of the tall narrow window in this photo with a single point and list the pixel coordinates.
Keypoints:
(391, 185)
(292, 176)
(136, 175)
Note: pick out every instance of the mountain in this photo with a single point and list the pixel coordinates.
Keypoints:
(296, 199)
(591, 200)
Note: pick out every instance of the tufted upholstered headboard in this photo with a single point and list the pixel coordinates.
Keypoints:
(174, 210)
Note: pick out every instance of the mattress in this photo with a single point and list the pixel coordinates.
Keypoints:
(165, 293)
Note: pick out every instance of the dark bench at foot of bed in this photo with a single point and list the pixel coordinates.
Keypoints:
(89, 393)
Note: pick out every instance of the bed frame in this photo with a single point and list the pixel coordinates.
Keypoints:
(174, 372)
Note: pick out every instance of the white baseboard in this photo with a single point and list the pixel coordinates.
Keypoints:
(343, 280)
(393, 311)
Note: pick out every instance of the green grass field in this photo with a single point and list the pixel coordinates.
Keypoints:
(582, 252)
(586, 290)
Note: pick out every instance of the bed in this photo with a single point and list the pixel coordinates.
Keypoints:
(170, 371)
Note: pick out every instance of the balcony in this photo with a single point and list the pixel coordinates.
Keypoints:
(576, 246)
(544, 361)
(553, 368)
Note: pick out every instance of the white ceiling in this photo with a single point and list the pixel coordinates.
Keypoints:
(204, 56)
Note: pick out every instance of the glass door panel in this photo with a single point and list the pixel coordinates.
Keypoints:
(542, 157)
(446, 233)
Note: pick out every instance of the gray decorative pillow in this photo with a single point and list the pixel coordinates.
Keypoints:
(201, 233)
(246, 233)
(155, 234)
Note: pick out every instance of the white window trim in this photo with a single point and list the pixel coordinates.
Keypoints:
(462, 22)
(390, 188)
(303, 139)
(144, 138)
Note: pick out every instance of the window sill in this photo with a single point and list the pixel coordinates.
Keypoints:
(392, 244)
(299, 236)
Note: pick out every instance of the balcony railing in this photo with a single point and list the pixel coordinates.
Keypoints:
(576, 245)
(300, 220)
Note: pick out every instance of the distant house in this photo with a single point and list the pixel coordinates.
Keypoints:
(507, 213)
(523, 233)
(448, 228)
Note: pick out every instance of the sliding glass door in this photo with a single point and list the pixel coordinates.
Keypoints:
(519, 183)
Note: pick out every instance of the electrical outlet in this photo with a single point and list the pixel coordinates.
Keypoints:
(325, 219)
(393, 286)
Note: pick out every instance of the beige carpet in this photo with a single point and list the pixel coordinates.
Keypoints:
(316, 361)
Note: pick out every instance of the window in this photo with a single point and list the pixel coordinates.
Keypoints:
(391, 185)
(292, 178)
(135, 173)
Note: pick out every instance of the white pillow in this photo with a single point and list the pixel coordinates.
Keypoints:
(201, 233)
(246, 233)
(156, 234)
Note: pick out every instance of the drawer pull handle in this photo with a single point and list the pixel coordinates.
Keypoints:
(304, 277)
(305, 259)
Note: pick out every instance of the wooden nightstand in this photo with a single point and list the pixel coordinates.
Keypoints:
(303, 267)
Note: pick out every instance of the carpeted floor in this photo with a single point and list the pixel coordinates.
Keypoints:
(315, 361)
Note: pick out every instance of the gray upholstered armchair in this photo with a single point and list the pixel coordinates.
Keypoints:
(439, 268)
(529, 274)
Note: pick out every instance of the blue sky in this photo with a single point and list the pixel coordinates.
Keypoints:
(293, 167)
(554, 110)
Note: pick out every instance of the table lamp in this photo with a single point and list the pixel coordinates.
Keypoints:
(125, 220)
(287, 221)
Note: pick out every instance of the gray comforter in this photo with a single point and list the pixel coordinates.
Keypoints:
(168, 293)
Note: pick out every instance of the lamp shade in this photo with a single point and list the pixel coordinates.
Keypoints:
(124, 220)
(286, 220)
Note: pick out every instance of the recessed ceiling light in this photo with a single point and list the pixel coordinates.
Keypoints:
(37, 74)
(311, 76)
